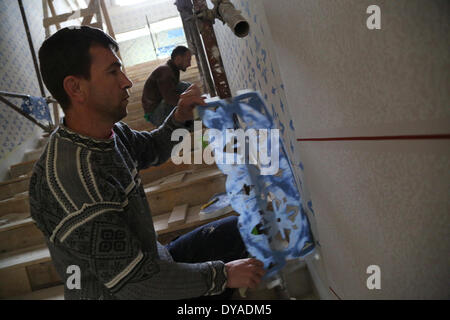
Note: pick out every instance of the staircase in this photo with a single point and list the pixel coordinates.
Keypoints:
(174, 191)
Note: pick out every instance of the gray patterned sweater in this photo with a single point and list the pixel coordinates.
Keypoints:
(87, 199)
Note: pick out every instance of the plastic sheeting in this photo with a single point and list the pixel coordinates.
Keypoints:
(272, 220)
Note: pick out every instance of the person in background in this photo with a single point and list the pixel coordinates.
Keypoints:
(163, 88)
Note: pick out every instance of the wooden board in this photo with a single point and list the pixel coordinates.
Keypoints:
(192, 220)
(13, 220)
(178, 216)
(19, 235)
(173, 180)
(25, 257)
(14, 282)
(43, 275)
(52, 293)
(13, 205)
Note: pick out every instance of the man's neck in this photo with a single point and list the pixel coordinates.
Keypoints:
(89, 126)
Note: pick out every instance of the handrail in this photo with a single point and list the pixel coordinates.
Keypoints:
(19, 95)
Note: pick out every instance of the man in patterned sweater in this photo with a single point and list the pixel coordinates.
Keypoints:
(87, 199)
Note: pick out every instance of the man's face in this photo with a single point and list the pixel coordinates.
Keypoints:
(108, 86)
(184, 61)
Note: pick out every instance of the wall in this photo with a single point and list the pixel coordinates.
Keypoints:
(251, 63)
(17, 75)
(382, 203)
(129, 18)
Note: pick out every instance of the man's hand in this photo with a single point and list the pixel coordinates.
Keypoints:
(188, 101)
(244, 273)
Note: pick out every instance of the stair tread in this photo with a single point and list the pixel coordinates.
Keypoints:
(190, 178)
(161, 222)
(14, 221)
(52, 293)
(24, 257)
(14, 180)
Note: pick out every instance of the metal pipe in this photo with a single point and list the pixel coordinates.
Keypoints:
(212, 51)
(23, 96)
(151, 36)
(14, 95)
(195, 44)
(33, 53)
(226, 12)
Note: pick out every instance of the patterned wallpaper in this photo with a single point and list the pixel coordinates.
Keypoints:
(251, 63)
(17, 70)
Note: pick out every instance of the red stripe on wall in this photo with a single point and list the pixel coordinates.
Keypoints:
(406, 137)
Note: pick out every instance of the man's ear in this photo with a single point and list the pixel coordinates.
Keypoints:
(74, 89)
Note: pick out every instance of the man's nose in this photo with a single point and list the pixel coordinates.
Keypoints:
(126, 83)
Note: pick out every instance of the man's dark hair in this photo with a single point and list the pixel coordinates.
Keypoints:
(66, 53)
(179, 51)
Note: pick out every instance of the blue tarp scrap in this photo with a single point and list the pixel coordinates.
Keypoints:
(37, 107)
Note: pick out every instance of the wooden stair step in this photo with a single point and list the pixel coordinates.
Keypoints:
(196, 188)
(192, 220)
(52, 293)
(18, 231)
(26, 270)
(168, 168)
(14, 220)
(33, 154)
(14, 205)
(23, 168)
(11, 187)
(24, 257)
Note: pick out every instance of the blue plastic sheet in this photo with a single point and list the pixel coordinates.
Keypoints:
(37, 107)
(272, 220)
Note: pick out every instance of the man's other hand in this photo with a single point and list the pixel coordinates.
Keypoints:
(188, 101)
(244, 273)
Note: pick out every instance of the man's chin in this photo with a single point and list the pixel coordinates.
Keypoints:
(120, 115)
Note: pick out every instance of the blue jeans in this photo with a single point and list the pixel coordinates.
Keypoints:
(162, 111)
(217, 240)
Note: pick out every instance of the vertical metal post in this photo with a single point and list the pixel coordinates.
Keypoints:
(151, 36)
(212, 51)
(195, 41)
(33, 53)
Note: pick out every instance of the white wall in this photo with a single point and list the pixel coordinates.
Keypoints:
(382, 203)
